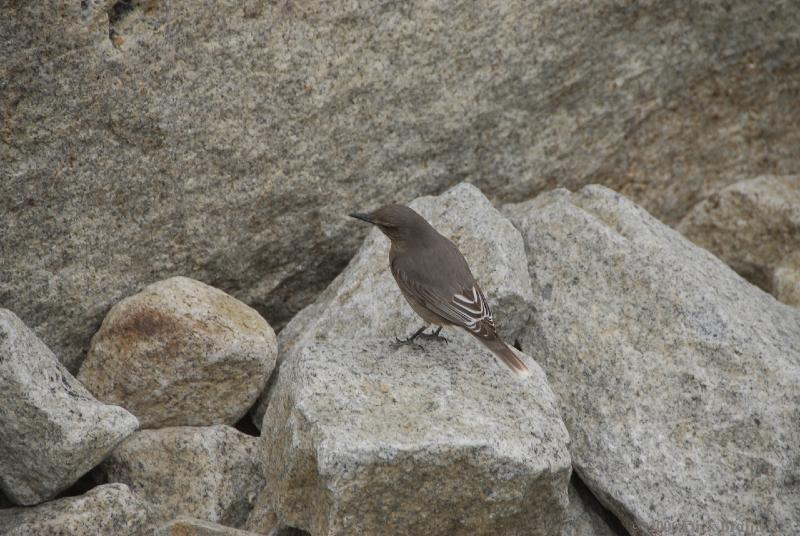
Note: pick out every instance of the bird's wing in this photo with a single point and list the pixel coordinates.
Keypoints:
(466, 308)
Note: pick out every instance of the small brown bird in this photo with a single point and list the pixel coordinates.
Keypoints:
(436, 281)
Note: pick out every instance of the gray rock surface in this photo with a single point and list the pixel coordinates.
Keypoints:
(262, 517)
(586, 516)
(105, 510)
(228, 142)
(362, 438)
(52, 430)
(211, 473)
(264, 520)
(364, 300)
(181, 353)
(754, 226)
(189, 526)
(679, 381)
(786, 280)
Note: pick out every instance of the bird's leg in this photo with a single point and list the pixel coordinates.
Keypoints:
(435, 335)
(411, 338)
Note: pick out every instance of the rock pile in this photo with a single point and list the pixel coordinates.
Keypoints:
(664, 396)
(180, 352)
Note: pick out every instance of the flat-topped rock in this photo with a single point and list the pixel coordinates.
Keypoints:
(362, 438)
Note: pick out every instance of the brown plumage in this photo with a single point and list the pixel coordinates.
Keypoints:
(436, 281)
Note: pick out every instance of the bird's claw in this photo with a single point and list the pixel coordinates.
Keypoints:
(398, 342)
(434, 337)
(421, 335)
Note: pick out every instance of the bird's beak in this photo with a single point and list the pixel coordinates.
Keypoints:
(361, 216)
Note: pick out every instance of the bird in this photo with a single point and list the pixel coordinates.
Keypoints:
(436, 281)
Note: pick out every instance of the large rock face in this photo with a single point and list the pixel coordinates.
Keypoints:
(679, 381)
(211, 473)
(364, 300)
(109, 510)
(52, 430)
(181, 353)
(360, 438)
(754, 226)
(228, 142)
(363, 437)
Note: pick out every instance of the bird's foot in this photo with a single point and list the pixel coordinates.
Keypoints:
(435, 336)
(420, 334)
(398, 342)
(410, 341)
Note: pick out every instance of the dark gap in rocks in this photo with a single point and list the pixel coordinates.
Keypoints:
(118, 11)
(264, 392)
(591, 503)
(290, 531)
(757, 275)
(245, 425)
(90, 480)
(5, 502)
(284, 301)
(518, 345)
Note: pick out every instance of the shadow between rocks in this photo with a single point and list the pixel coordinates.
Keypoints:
(84, 484)
(246, 425)
(591, 503)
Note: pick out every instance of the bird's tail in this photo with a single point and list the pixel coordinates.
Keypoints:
(506, 355)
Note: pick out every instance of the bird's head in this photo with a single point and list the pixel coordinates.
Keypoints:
(398, 222)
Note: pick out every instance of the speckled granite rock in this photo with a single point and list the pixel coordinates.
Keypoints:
(105, 510)
(181, 353)
(52, 430)
(586, 516)
(754, 226)
(364, 300)
(264, 520)
(228, 142)
(189, 526)
(360, 438)
(786, 280)
(212, 473)
(679, 381)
